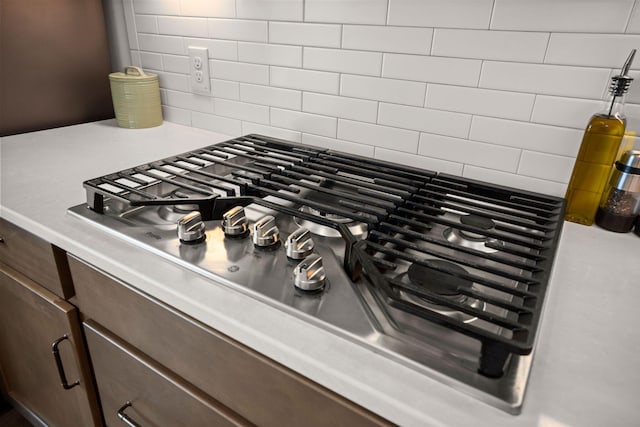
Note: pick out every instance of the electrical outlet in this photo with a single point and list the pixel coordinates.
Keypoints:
(199, 70)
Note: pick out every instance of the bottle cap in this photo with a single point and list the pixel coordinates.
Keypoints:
(629, 162)
(620, 83)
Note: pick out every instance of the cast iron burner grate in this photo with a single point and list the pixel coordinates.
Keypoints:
(401, 207)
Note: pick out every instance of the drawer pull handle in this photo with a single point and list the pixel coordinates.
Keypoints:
(56, 356)
(1, 239)
(124, 417)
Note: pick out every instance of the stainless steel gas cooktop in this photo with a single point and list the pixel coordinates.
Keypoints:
(444, 274)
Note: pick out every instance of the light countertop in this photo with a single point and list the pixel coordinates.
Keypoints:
(586, 369)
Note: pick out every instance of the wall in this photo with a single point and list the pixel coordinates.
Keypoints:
(497, 90)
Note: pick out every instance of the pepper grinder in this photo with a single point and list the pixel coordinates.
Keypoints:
(620, 203)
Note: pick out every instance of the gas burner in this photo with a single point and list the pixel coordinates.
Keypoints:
(445, 285)
(470, 239)
(358, 229)
(174, 212)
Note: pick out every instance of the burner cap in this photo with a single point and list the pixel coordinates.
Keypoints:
(436, 281)
(478, 221)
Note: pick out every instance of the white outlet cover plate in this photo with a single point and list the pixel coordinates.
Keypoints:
(199, 70)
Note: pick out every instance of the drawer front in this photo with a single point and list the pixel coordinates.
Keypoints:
(35, 258)
(261, 390)
(156, 396)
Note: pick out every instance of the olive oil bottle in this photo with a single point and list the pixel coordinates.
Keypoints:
(598, 152)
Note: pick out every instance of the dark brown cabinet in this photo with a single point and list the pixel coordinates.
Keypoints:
(41, 344)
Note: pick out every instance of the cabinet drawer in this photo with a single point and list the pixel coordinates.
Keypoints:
(35, 258)
(157, 397)
(261, 390)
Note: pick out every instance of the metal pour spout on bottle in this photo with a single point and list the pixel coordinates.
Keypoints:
(598, 151)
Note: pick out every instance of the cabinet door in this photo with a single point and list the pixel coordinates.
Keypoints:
(136, 388)
(31, 320)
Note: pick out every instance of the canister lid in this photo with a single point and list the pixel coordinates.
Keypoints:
(629, 162)
(132, 73)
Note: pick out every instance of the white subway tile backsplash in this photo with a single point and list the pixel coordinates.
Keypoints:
(425, 120)
(270, 54)
(546, 166)
(379, 136)
(147, 24)
(176, 115)
(191, 27)
(216, 123)
(544, 79)
(441, 13)
(400, 91)
(173, 81)
(633, 96)
(417, 161)
(529, 136)
(304, 122)
(469, 152)
(516, 181)
(324, 35)
(241, 110)
(561, 15)
(225, 89)
(240, 72)
(213, 9)
(151, 61)
(346, 11)
(290, 135)
(273, 10)
(484, 102)
(431, 69)
(498, 90)
(218, 49)
(272, 96)
(338, 144)
(315, 81)
(387, 39)
(340, 106)
(161, 44)
(343, 61)
(237, 29)
(158, 7)
(189, 101)
(591, 50)
(634, 22)
(496, 45)
(175, 63)
(569, 112)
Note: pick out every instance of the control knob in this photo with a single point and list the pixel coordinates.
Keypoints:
(299, 244)
(234, 223)
(309, 275)
(266, 233)
(191, 228)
